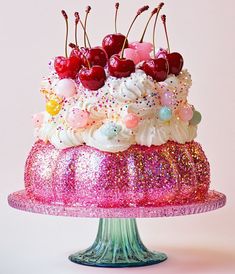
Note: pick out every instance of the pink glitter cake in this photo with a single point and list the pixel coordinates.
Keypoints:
(118, 130)
(140, 176)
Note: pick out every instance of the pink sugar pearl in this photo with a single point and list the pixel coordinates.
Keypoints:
(167, 99)
(131, 120)
(144, 49)
(78, 118)
(66, 88)
(37, 119)
(185, 112)
(132, 54)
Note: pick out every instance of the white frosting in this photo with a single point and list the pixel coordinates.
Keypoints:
(150, 132)
(93, 137)
(137, 94)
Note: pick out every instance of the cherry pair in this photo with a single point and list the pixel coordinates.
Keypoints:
(92, 74)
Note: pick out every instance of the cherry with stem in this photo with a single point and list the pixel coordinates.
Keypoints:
(67, 67)
(118, 65)
(112, 43)
(96, 56)
(92, 77)
(175, 59)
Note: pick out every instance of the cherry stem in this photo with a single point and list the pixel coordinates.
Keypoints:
(88, 63)
(67, 32)
(77, 16)
(165, 29)
(73, 46)
(116, 15)
(154, 27)
(139, 12)
(76, 32)
(151, 16)
(88, 9)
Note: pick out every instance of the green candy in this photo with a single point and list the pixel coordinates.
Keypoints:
(197, 117)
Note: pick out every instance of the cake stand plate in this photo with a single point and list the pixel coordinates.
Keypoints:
(21, 200)
(117, 243)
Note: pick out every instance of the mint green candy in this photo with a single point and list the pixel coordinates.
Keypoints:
(165, 114)
(111, 130)
(197, 117)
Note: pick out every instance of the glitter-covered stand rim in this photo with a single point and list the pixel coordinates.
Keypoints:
(20, 200)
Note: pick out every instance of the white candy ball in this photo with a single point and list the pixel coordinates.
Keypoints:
(66, 88)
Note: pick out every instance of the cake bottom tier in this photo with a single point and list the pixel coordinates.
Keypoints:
(170, 174)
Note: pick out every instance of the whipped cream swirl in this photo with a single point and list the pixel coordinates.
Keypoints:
(137, 94)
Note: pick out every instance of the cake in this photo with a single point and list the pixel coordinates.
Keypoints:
(118, 130)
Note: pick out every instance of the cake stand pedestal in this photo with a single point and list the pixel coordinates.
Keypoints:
(118, 243)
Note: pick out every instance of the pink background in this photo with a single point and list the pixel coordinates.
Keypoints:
(31, 32)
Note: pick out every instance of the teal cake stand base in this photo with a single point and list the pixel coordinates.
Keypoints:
(117, 244)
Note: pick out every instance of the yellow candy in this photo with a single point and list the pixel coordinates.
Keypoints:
(53, 107)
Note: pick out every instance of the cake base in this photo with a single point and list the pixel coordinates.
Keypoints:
(21, 200)
(117, 244)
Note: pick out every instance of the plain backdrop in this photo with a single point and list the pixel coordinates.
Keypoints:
(31, 32)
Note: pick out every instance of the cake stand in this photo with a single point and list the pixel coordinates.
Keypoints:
(117, 243)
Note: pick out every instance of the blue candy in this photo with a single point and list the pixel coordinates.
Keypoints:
(111, 129)
(165, 114)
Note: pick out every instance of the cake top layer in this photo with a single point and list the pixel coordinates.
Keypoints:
(117, 95)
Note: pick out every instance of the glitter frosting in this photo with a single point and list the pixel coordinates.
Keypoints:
(169, 174)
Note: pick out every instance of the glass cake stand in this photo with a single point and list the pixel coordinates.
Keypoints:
(117, 243)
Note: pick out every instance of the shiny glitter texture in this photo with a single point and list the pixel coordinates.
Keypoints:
(21, 200)
(170, 174)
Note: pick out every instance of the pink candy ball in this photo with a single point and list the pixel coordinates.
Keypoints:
(132, 54)
(185, 113)
(167, 99)
(144, 49)
(37, 119)
(131, 120)
(78, 118)
(66, 88)
(141, 46)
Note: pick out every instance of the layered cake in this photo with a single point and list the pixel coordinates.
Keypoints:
(118, 129)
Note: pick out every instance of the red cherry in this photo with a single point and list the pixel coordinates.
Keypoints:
(175, 59)
(113, 43)
(77, 53)
(92, 78)
(156, 68)
(96, 56)
(120, 67)
(67, 67)
(176, 62)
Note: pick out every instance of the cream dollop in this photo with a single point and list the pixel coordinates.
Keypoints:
(151, 132)
(137, 94)
(136, 86)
